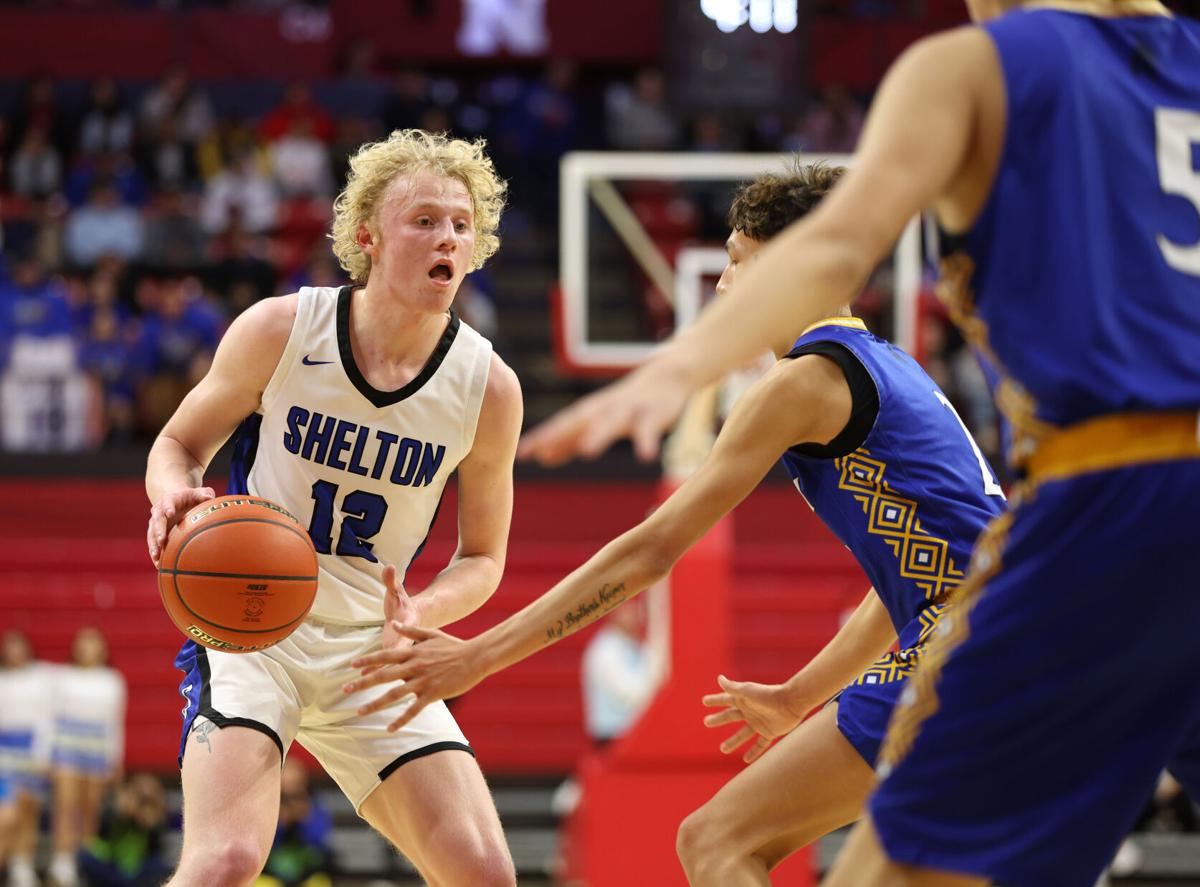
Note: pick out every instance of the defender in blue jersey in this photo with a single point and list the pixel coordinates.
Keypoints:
(882, 457)
(1059, 144)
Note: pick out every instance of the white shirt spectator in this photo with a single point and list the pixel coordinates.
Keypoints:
(243, 188)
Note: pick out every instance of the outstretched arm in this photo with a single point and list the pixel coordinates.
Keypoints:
(913, 146)
(768, 711)
(802, 400)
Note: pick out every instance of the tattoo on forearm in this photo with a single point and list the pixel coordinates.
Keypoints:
(607, 598)
(203, 734)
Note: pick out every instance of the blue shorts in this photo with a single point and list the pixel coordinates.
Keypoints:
(865, 707)
(1060, 684)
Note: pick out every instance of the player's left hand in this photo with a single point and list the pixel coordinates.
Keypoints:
(435, 666)
(765, 709)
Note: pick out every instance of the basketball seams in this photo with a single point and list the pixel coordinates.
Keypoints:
(277, 518)
(213, 575)
(192, 534)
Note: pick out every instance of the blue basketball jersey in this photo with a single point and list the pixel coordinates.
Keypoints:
(911, 500)
(1080, 280)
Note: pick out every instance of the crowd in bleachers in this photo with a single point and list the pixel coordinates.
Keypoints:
(138, 218)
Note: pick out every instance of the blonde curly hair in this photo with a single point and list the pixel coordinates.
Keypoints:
(404, 152)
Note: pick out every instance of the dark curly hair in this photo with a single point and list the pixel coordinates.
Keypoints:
(764, 207)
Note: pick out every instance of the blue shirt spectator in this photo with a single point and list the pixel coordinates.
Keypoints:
(104, 226)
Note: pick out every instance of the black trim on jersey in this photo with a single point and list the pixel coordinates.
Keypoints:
(374, 395)
(206, 710)
(864, 401)
(422, 752)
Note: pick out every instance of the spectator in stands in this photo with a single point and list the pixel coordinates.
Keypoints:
(640, 119)
(116, 167)
(103, 226)
(177, 99)
(180, 330)
(31, 303)
(128, 851)
(88, 750)
(166, 160)
(297, 104)
(241, 269)
(107, 354)
(39, 109)
(300, 162)
(36, 169)
(26, 731)
(174, 239)
(243, 188)
(622, 669)
(301, 855)
(107, 124)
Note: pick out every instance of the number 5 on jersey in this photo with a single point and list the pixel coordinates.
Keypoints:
(363, 517)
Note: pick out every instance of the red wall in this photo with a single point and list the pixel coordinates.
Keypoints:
(72, 552)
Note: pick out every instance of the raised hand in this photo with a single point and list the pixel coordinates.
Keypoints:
(434, 666)
(642, 406)
(767, 711)
(168, 511)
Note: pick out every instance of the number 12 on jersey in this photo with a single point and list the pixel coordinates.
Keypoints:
(363, 518)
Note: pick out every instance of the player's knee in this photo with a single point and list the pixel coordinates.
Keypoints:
(489, 866)
(478, 860)
(697, 841)
(235, 861)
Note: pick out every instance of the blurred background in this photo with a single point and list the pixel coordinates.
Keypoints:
(163, 165)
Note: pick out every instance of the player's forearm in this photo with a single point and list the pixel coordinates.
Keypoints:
(460, 589)
(806, 273)
(171, 467)
(865, 637)
(623, 568)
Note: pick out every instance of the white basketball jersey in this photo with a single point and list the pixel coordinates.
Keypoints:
(363, 469)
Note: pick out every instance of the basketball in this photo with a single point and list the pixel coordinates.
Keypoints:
(238, 574)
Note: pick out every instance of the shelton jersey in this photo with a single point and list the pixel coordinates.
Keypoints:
(363, 469)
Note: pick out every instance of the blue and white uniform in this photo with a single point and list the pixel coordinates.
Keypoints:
(364, 470)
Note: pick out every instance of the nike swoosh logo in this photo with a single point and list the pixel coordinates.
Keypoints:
(313, 363)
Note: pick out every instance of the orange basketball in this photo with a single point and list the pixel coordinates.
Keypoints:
(238, 574)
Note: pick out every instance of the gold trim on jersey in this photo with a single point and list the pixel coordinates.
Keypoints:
(924, 558)
(920, 700)
(1017, 404)
(854, 322)
(898, 664)
(1115, 441)
(1101, 9)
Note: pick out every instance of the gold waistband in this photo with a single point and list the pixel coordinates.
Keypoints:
(1116, 441)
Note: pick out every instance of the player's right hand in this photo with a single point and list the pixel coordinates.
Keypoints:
(167, 512)
(642, 406)
(766, 710)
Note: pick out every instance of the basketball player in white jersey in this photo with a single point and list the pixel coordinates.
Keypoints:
(356, 405)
